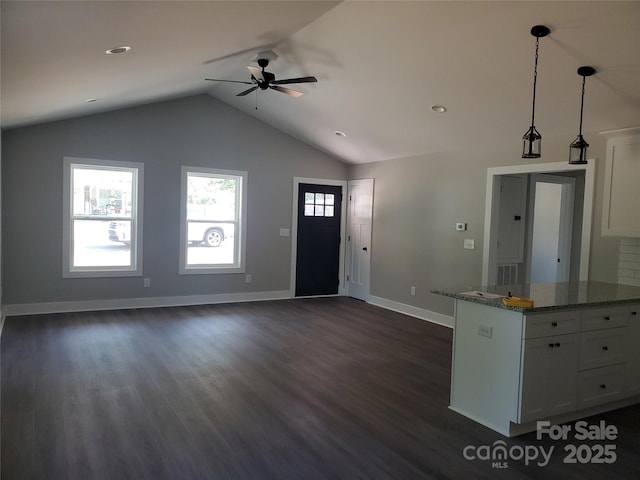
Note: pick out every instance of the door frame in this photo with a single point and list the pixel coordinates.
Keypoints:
(342, 287)
(489, 253)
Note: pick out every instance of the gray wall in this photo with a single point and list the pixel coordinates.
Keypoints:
(417, 202)
(194, 131)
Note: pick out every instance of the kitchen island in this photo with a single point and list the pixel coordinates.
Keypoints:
(575, 353)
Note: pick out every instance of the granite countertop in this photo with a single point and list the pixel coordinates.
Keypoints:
(549, 296)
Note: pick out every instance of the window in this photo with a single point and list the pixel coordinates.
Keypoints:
(319, 204)
(102, 218)
(212, 224)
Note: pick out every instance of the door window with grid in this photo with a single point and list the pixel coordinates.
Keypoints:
(318, 204)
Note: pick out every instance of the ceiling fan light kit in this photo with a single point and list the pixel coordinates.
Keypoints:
(532, 140)
(578, 149)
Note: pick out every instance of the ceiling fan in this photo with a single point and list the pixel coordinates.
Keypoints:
(262, 79)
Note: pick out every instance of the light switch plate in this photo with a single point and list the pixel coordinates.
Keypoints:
(469, 243)
(284, 232)
(461, 227)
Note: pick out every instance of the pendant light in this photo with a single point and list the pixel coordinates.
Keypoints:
(532, 140)
(578, 149)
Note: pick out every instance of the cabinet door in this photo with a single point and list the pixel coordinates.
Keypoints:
(536, 360)
(563, 374)
(621, 193)
(549, 376)
(633, 349)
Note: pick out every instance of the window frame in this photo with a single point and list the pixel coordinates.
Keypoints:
(137, 196)
(239, 238)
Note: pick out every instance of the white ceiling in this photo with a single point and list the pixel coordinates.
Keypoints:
(380, 66)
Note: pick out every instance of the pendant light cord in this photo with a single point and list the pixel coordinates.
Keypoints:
(535, 81)
(582, 104)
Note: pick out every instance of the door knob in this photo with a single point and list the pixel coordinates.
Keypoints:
(364, 248)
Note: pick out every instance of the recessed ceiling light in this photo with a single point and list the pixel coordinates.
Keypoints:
(115, 50)
(439, 108)
(338, 133)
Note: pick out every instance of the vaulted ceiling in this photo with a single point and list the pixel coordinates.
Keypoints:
(381, 66)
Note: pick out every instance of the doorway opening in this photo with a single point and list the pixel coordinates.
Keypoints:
(566, 192)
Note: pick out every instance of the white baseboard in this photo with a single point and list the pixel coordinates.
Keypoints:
(151, 302)
(421, 313)
(179, 301)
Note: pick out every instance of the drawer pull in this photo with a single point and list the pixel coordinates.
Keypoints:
(634, 313)
(605, 348)
(554, 324)
(551, 345)
(603, 386)
(557, 344)
(607, 318)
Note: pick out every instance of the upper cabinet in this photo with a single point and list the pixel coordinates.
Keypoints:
(621, 209)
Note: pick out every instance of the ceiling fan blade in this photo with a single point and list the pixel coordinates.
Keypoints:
(246, 92)
(256, 72)
(229, 81)
(288, 91)
(295, 80)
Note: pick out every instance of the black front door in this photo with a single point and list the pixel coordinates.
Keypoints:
(318, 253)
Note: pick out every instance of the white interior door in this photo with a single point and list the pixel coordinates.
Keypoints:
(552, 222)
(360, 212)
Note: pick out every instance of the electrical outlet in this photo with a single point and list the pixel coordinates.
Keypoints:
(247, 279)
(469, 244)
(413, 291)
(485, 331)
(146, 282)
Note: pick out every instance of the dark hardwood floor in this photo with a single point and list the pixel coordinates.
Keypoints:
(327, 388)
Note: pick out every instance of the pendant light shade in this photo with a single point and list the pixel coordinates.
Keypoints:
(532, 140)
(578, 149)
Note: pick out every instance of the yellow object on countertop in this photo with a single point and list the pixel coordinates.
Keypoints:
(518, 302)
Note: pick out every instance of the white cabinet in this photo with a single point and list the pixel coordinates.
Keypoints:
(512, 369)
(620, 216)
(549, 376)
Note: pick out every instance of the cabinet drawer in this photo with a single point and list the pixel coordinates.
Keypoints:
(600, 385)
(552, 323)
(598, 318)
(600, 348)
